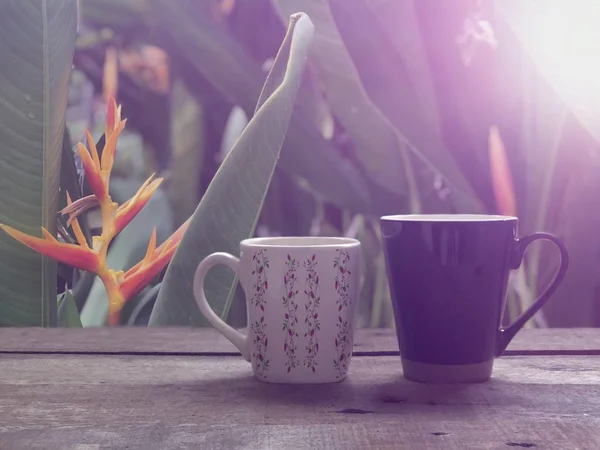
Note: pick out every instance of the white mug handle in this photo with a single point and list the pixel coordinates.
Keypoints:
(238, 339)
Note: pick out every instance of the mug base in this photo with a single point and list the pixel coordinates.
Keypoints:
(299, 380)
(442, 373)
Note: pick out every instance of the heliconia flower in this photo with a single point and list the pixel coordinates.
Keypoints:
(128, 210)
(153, 263)
(78, 207)
(98, 171)
(75, 226)
(75, 255)
(80, 256)
(125, 213)
(120, 286)
(113, 117)
(501, 178)
(110, 75)
(110, 147)
(92, 172)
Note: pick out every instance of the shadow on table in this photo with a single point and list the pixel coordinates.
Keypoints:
(359, 396)
(351, 391)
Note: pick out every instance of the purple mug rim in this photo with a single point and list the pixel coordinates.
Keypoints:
(458, 218)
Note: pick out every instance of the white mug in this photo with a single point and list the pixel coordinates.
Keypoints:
(301, 296)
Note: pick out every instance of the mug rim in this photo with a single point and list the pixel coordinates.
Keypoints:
(301, 242)
(438, 218)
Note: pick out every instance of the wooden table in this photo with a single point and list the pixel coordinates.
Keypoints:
(140, 388)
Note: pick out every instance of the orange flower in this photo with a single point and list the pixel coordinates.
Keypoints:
(125, 213)
(128, 210)
(153, 263)
(80, 256)
(501, 178)
(91, 167)
(119, 286)
(74, 255)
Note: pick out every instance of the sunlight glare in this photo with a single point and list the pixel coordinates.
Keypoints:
(566, 40)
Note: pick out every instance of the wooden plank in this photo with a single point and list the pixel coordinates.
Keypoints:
(151, 402)
(196, 341)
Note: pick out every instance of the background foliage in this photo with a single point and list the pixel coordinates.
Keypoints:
(393, 116)
(38, 41)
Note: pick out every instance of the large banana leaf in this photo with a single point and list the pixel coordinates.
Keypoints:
(564, 41)
(37, 40)
(229, 210)
(544, 116)
(126, 15)
(388, 52)
(214, 54)
(576, 301)
(532, 127)
(188, 149)
(379, 147)
(560, 108)
(562, 167)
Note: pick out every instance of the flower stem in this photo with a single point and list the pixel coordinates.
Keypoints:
(115, 298)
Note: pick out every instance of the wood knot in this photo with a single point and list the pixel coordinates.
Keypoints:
(393, 400)
(353, 411)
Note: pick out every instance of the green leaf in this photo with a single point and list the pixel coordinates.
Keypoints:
(561, 158)
(379, 147)
(544, 117)
(187, 153)
(384, 40)
(564, 42)
(68, 315)
(562, 165)
(229, 210)
(212, 53)
(69, 181)
(37, 42)
(575, 303)
(140, 313)
(129, 247)
(118, 14)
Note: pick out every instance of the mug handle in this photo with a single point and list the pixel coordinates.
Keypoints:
(505, 335)
(238, 339)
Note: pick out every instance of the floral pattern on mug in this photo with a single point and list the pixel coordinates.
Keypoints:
(290, 320)
(259, 300)
(261, 342)
(343, 338)
(312, 316)
(261, 264)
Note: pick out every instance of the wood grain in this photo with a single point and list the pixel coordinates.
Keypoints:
(161, 402)
(207, 341)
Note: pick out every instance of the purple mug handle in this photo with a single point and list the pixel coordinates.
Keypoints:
(505, 335)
